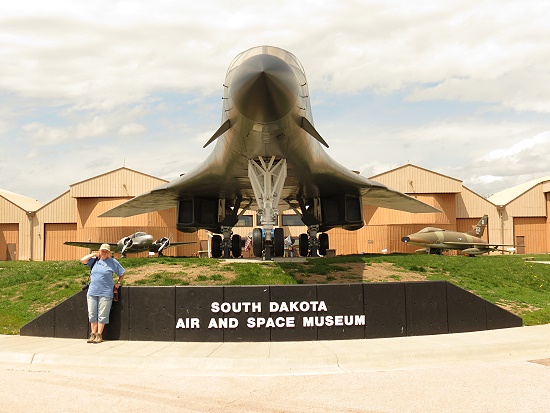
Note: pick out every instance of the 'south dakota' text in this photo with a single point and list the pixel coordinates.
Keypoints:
(283, 319)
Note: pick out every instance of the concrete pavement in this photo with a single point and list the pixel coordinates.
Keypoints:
(286, 358)
(504, 371)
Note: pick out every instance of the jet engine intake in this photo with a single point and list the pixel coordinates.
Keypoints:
(195, 213)
(341, 211)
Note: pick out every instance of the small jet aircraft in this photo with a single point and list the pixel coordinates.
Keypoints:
(268, 158)
(435, 240)
(138, 242)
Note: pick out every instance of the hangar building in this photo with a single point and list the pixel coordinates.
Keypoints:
(31, 231)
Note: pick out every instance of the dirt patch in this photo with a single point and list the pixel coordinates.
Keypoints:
(516, 308)
(222, 274)
(358, 272)
(184, 274)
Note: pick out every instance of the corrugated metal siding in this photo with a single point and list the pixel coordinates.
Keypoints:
(60, 210)
(344, 242)
(530, 204)
(165, 218)
(534, 230)
(444, 202)
(10, 212)
(54, 237)
(9, 234)
(89, 210)
(119, 183)
(26, 225)
(411, 179)
(469, 204)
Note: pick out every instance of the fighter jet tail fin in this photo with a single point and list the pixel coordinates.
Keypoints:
(480, 227)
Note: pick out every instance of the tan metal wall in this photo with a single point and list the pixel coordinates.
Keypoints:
(344, 242)
(54, 237)
(122, 182)
(444, 202)
(530, 204)
(469, 204)
(535, 232)
(9, 234)
(13, 214)
(61, 210)
(412, 179)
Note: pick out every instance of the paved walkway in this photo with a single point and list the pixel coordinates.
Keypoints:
(512, 344)
(500, 371)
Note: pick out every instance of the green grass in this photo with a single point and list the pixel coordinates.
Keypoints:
(27, 289)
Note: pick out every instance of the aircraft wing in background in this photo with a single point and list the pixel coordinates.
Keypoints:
(94, 246)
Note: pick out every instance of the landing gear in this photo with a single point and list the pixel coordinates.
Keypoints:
(268, 248)
(216, 246)
(304, 245)
(312, 246)
(257, 242)
(279, 242)
(323, 244)
(236, 249)
(267, 177)
(226, 246)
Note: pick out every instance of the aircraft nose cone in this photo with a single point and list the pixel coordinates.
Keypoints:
(405, 239)
(264, 88)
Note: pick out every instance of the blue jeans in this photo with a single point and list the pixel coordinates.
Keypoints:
(99, 309)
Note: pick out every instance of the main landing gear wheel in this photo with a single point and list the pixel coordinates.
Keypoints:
(304, 245)
(236, 249)
(323, 244)
(216, 246)
(279, 242)
(257, 242)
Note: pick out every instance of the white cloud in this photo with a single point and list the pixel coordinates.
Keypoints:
(102, 70)
(132, 129)
(537, 143)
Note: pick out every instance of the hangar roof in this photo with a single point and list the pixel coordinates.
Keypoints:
(23, 202)
(410, 179)
(508, 195)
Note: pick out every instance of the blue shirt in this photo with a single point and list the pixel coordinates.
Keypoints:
(101, 277)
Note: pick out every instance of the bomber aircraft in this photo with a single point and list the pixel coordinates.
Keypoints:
(138, 242)
(435, 240)
(268, 158)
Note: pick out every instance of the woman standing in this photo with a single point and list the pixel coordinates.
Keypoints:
(100, 292)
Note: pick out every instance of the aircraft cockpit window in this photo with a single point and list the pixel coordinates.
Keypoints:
(138, 234)
(430, 229)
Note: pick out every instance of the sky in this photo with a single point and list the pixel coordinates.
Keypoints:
(458, 87)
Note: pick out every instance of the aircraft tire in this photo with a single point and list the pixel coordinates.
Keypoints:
(279, 242)
(323, 244)
(236, 249)
(304, 245)
(257, 242)
(216, 246)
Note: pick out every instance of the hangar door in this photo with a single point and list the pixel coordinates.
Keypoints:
(9, 235)
(531, 232)
(54, 237)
